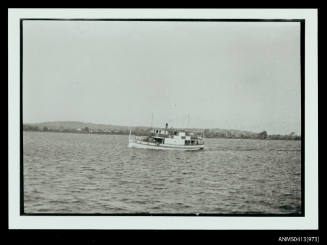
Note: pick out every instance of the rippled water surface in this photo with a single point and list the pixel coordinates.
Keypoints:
(82, 173)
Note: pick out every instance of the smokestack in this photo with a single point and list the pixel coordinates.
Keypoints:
(166, 127)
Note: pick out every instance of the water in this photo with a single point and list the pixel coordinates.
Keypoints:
(81, 173)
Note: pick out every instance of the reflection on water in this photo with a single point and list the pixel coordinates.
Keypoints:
(81, 173)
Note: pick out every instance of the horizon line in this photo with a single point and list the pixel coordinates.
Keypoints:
(299, 134)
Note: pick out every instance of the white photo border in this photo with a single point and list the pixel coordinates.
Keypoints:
(308, 222)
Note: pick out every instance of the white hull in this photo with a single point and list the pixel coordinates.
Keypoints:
(147, 145)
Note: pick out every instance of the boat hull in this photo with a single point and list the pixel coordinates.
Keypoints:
(146, 145)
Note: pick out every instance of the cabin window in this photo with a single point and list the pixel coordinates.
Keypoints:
(158, 140)
(183, 137)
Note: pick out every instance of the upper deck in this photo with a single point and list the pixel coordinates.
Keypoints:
(174, 137)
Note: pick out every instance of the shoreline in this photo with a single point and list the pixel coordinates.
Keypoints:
(283, 137)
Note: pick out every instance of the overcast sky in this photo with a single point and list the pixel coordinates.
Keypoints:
(231, 75)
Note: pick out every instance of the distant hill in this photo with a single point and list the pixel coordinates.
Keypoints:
(75, 125)
(82, 127)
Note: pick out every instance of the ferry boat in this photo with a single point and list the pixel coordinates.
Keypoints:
(167, 140)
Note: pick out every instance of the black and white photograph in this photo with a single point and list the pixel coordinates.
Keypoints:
(162, 117)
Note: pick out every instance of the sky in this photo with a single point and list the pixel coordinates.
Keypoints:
(229, 75)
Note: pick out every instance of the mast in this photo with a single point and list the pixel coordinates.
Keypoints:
(188, 120)
(151, 121)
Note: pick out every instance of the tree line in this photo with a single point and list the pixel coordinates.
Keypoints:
(145, 131)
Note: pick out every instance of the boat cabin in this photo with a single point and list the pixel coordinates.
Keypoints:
(164, 136)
